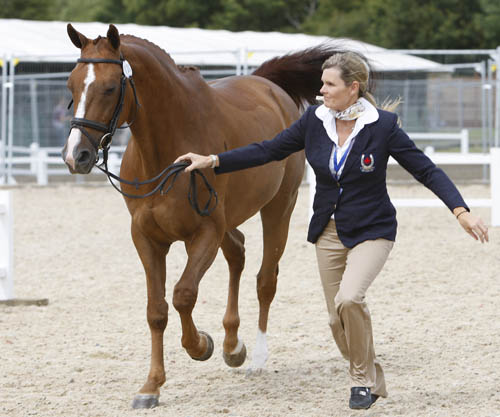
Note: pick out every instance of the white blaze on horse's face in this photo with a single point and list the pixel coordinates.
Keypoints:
(75, 134)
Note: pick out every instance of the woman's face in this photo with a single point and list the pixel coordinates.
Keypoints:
(337, 95)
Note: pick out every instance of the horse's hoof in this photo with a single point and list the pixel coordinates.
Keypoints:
(210, 348)
(236, 360)
(251, 372)
(145, 401)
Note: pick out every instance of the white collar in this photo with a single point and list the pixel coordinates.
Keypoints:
(328, 117)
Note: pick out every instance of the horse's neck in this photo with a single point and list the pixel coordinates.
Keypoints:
(168, 118)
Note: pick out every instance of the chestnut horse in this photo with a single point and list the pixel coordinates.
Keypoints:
(172, 110)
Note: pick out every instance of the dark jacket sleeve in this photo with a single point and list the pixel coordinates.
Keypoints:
(282, 145)
(411, 158)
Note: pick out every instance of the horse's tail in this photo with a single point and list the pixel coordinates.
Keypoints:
(299, 73)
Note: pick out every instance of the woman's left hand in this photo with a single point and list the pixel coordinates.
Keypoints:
(474, 226)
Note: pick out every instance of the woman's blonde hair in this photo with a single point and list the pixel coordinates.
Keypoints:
(353, 66)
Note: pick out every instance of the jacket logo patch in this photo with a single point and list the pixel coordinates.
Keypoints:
(367, 163)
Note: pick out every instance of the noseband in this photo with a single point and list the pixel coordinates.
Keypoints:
(108, 130)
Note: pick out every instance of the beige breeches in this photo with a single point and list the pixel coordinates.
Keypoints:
(346, 275)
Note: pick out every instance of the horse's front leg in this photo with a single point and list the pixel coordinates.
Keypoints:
(153, 259)
(234, 350)
(201, 250)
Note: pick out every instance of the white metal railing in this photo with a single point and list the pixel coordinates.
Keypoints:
(6, 246)
(44, 162)
(462, 136)
(492, 159)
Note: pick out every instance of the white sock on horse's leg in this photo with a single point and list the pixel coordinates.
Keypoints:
(238, 347)
(260, 353)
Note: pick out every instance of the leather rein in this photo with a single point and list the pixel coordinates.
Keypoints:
(104, 143)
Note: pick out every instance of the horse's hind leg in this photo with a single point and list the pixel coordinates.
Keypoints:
(275, 222)
(234, 350)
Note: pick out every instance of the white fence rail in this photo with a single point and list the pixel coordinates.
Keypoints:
(492, 159)
(43, 163)
(462, 137)
(6, 247)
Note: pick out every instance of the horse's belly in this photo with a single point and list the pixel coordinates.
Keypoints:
(250, 190)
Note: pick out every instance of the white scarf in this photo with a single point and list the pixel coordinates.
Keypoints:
(352, 112)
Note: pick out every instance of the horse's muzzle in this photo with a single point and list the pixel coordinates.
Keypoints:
(80, 162)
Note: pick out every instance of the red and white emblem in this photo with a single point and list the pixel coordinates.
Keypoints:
(367, 163)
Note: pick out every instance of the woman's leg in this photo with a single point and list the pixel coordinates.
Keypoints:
(331, 256)
(364, 262)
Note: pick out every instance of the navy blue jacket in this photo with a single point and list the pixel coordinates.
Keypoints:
(363, 211)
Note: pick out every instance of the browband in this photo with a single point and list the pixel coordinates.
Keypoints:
(100, 61)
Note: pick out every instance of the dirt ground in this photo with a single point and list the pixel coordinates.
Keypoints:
(434, 310)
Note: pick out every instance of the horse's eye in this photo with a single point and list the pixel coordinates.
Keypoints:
(109, 91)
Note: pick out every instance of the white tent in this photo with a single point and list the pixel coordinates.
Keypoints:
(40, 41)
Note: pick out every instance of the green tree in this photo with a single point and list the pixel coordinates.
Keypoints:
(426, 24)
(340, 19)
(263, 15)
(433, 24)
(422, 24)
(107, 11)
(75, 10)
(25, 9)
(112, 11)
(177, 13)
(489, 20)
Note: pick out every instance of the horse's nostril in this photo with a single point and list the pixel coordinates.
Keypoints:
(83, 158)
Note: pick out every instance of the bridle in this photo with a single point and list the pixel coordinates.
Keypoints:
(109, 130)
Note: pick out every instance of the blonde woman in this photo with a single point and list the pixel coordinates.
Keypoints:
(348, 141)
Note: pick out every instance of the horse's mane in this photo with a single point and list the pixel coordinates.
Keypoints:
(160, 52)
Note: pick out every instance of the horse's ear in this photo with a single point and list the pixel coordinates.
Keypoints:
(113, 36)
(76, 37)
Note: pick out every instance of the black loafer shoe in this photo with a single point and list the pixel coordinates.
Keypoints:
(361, 398)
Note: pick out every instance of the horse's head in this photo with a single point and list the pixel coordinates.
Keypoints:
(98, 85)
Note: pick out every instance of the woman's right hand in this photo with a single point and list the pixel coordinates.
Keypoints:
(197, 161)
